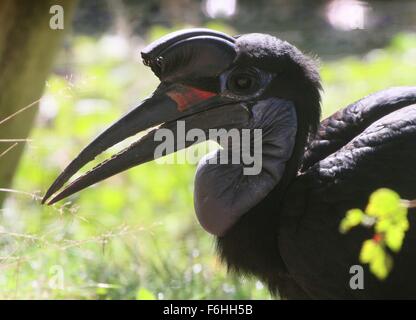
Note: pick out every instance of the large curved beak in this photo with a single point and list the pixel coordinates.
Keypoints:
(198, 108)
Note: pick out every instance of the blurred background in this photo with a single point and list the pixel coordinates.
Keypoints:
(135, 236)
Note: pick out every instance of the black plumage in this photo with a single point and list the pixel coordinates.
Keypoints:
(299, 252)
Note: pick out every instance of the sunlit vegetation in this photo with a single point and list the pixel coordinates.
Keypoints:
(387, 214)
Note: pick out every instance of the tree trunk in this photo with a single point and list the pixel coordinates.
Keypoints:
(27, 49)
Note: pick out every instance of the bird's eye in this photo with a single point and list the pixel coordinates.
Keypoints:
(243, 83)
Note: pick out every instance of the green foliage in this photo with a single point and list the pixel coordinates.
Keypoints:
(349, 79)
(388, 214)
(134, 236)
(144, 294)
(353, 218)
(373, 253)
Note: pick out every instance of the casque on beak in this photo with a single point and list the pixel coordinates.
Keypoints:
(172, 58)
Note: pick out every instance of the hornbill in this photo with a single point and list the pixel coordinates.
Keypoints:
(280, 225)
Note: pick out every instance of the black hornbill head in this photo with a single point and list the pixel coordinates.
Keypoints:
(211, 80)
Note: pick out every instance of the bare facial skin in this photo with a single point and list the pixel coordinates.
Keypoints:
(223, 193)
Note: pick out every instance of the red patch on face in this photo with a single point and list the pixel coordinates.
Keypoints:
(185, 96)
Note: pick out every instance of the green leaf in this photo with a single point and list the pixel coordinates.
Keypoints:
(383, 202)
(373, 253)
(352, 219)
(101, 291)
(383, 225)
(368, 251)
(381, 264)
(394, 238)
(144, 294)
(403, 223)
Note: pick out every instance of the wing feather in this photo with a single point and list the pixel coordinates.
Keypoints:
(316, 254)
(340, 128)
